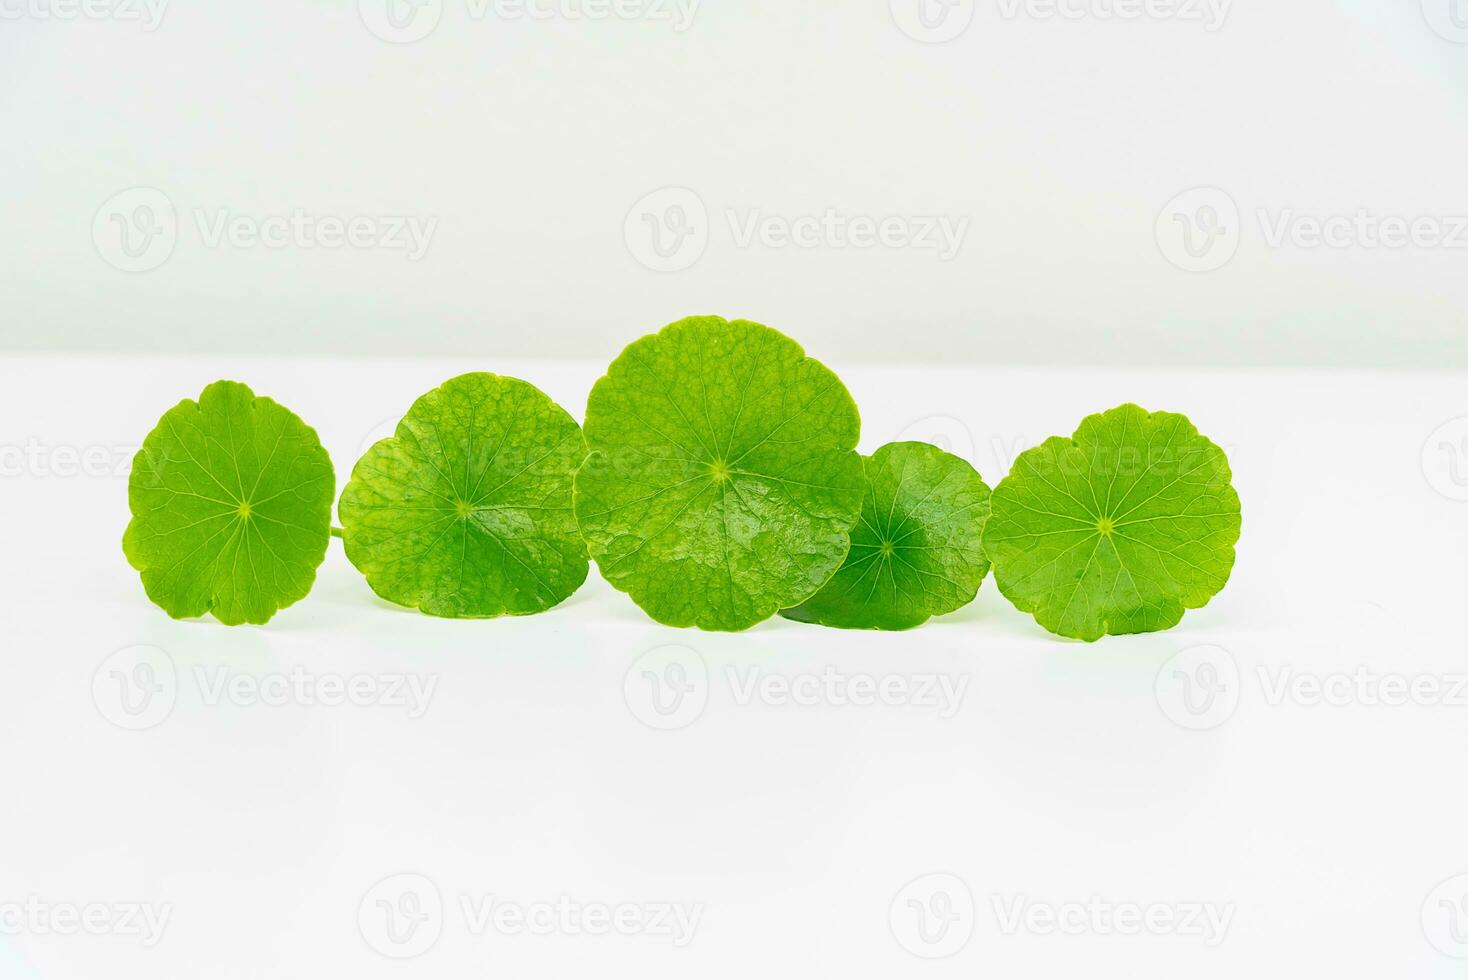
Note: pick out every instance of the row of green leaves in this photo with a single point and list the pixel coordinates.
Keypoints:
(716, 482)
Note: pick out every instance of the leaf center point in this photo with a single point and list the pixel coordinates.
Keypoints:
(719, 471)
(463, 508)
(243, 510)
(887, 549)
(1105, 525)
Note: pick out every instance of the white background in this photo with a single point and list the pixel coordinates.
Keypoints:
(1059, 141)
(538, 768)
(1109, 174)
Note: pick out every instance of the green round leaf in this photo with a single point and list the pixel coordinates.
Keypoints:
(466, 511)
(723, 480)
(231, 504)
(916, 552)
(1117, 530)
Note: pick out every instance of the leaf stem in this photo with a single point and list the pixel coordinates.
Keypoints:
(336, 532)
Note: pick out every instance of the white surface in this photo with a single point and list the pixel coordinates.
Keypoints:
(1057, 135)
(1067, 771)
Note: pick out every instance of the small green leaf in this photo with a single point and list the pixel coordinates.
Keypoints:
(1118, 530)
(723, 480)
(231, 504)
(466, 511)
(916, 552)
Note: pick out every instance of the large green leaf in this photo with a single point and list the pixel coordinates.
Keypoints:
(723, 480)
(231, 504)
(1117, 530)
(916, 552)
(466, 511)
